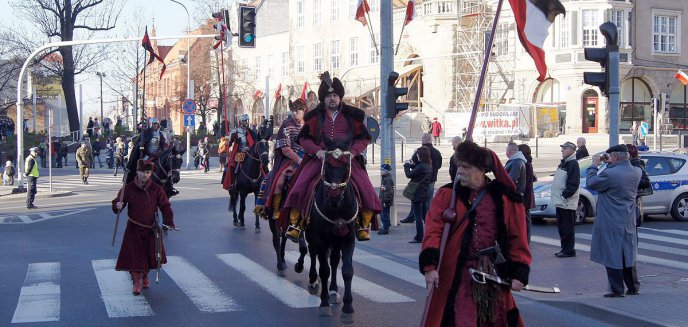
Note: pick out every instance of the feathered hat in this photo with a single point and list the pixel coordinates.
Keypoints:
(329, 85)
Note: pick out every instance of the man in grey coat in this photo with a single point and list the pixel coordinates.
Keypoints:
(614, 241)
(516, 167)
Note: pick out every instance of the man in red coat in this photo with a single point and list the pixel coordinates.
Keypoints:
(143, 198)
(497, 216)
(336, 121)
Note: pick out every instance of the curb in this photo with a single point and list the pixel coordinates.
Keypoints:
(606, 315)
(40, 195)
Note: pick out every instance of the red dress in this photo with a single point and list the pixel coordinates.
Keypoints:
(489, 222)
(138, 245)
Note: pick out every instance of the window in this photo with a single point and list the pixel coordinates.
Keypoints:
(300, 14)
(285, 64)
(353, 51)
(374, 5)
(300, 64)
(256, 69)
(590, 28)
(334, 54)
(374, 55)
(564, 31)
(617, 17)
(353, 6)
(501, 42)
(655, 166)
(635, 103)
(244, 63)
(678, 106)
(317, 57)
(334, 13)
(665, 33)
(316, 12)
(270, 65)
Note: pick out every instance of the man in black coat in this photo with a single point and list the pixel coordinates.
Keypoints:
(582, 151)
(436, 156)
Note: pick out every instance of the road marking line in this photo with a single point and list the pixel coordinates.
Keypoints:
(647, 246)
(389, 267)
(642, 258)
(39, 298)
(115, 289)
(284, 290)
(360, 286)
(205, 294)
(668, 231)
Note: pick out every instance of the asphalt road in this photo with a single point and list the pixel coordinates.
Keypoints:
(57, 263)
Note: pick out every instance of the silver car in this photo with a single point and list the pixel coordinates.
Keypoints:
(668, 173)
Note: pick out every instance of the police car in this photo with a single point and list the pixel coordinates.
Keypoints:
(668, 173)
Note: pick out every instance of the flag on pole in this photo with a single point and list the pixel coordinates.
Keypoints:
(533, 19)
(277, 94)
(146, 44)
(303, 92)
(682, 77)
(410, 11)
(361, 10)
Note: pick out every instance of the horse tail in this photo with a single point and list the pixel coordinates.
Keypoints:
(233, 199)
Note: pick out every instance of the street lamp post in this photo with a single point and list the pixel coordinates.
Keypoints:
(188, 79)
(101, 75)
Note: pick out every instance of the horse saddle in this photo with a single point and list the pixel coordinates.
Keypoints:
(240, 157)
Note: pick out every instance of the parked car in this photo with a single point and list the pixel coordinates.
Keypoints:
(668, 173)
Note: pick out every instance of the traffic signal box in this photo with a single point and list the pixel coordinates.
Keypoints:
(393, 92)
(247, 27)
(602, 56)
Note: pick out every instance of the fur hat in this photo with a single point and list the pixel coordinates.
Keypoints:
(143, 165)
(298, 104)
(474, 155)
(329, 85)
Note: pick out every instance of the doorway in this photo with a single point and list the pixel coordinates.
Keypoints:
(590, 114)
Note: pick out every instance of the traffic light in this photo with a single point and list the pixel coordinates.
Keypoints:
(393, 92)
(222, 27)
(602, 56)
(247, 27)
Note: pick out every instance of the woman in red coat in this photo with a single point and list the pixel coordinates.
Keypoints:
(143, 198)
(498, 216)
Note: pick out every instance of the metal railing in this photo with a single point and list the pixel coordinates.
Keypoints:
(403, 143)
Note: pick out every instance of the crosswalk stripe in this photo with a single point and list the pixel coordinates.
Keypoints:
(643, 258)
(205, 294)
(647, 246)
(39, 298)
(363, 287)
(668, 231)
(115, 289)
(389, 267)
(285, 291)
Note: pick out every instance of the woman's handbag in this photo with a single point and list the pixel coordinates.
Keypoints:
(410, 190)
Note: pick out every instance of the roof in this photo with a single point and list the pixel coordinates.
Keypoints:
(163, 50)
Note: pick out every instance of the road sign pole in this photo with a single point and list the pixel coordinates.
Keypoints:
(386, 67)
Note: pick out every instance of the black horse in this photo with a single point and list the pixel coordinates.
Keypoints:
(250, 173)
(167, 166)
(332, 228)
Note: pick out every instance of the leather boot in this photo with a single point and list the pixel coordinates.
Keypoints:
(136, 278)
(275, 206)
(146, 281)
(363, 232)
(294, 230)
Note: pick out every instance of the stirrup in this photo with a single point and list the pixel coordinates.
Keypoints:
(298, 233)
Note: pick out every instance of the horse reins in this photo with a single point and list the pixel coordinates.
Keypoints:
(339, 222)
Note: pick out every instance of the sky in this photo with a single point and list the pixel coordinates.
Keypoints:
(167, 15)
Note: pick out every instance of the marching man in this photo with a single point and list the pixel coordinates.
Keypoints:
(142, 248)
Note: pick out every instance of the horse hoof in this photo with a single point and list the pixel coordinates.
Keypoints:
(347, 318)
(281, 272)
(298, 268)
(325, 311)
(282, 266)
(242, 227)
(334, 297)
(313, 287)
(236, 223)
(257, 230)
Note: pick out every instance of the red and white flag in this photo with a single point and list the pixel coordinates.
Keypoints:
(361, 10)
(533, 19)
(410, 11)
(303, 92)
(278, 93)
(682, 77)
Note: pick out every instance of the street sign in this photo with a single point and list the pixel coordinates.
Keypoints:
(189, 107)
(189, 120)
(388, 161)
(373, 127)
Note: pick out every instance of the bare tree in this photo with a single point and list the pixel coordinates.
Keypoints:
(60, 20)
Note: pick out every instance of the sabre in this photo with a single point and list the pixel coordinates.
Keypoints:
(158, 245)
(121, 196)
(482, 278)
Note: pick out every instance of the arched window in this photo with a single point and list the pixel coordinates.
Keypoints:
(678, 103)
(549, 92)
(635, 104)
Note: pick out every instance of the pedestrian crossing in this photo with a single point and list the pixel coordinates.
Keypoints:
(107, 180)
(39, 298)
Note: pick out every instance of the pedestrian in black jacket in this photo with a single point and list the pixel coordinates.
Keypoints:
(528, 195)
(582, 151)
(420, 172)
(436, 156)
(386, 197)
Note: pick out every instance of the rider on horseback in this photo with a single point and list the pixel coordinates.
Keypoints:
(240, 141)
(288, 154)
(152, 141)
(339, 122)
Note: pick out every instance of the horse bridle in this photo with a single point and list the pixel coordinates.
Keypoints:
(339, 222)
(261, 173)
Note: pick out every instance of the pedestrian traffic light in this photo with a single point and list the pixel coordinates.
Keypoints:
(222, 28)
(602, 56)
(393, 92)
(247, 27)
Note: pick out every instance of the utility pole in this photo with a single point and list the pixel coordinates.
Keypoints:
(101, 75)
(386, 67)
